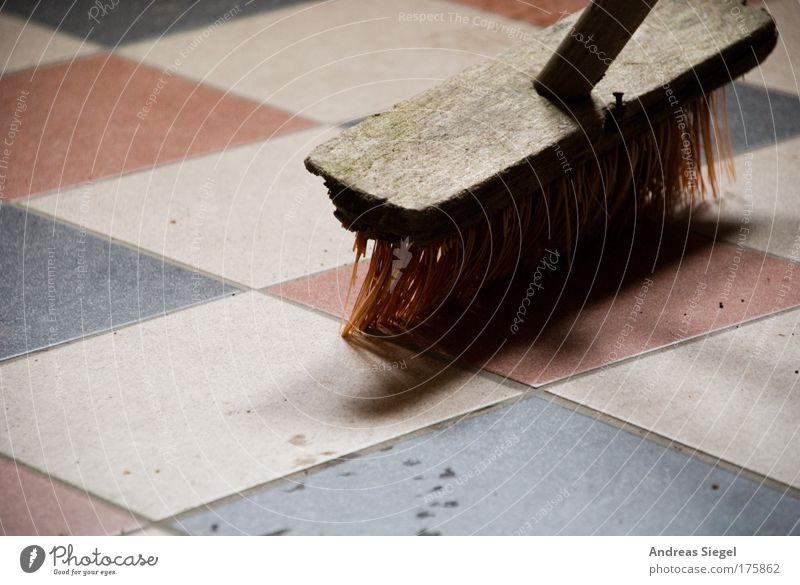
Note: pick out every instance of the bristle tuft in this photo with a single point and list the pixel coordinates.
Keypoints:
(658, 172)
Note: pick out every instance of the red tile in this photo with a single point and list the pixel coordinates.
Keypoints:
(538, 12)
(72, 122)
(620, 299)
(33, 504)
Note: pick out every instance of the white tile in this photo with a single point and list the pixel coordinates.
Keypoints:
(733, 396)
(252, 214)
(781, 70)
(172, 413)
(760, 208)
(334, 61)
(27, 44)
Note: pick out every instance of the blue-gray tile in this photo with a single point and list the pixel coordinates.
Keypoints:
(60, 283)
(529, 468)
(759, 117)
(116, 21)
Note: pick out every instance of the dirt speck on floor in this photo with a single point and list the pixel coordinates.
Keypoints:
(298, 440)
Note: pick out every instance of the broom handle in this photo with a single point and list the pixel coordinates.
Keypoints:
(583, 57)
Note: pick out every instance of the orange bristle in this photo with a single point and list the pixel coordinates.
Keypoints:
(657, 172)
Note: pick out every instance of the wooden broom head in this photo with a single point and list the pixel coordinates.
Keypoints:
(464, 179)
(657, 173)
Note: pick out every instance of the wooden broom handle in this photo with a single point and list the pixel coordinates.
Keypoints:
(583, 57)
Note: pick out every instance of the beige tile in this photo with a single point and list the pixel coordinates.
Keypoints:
(252, 214)
(174, 412)
(334, 61)
(152, 531)
(732, 395)
(781, 70)
(760, 206)
(27, 44)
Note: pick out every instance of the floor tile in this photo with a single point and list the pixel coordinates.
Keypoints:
(759, 117)
(153, 531)
(780, 70)
(132, 20)
(32, 504)
(336, 61)
(732, 395)
(761, 203)
(100, 116)
(538, 12)
(60, 283)
(27, 44)
(252, 214)
(624, 296)
(174, 412)
(529, 468)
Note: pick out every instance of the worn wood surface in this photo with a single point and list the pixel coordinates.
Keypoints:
(462, 149)
(585, 54)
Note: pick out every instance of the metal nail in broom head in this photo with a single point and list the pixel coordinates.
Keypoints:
(573, 132)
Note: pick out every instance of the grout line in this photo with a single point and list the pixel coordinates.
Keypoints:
(119, 53)
(171, 530)
(405, 346)
(295, 279)
(665, 348)
(410, 347)
(141, 519)
(745, 246)
(315, 124)
(298, 304)
(94, 49)
(590, 371)
(526, 393)
(290, 479)
(158, 166)
(160, 68)
(141, 250)
(649, 435)
(122, 326)
(543, 392)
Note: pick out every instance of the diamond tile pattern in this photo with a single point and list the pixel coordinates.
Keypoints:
(165, 257)
(102, 115)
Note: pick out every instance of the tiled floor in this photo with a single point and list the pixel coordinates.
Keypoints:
(251, 214)
(631, 296)
(335, 61)
(780, 70)
(538, 12)
(62, 283)
(103, 115)
(26, 44)
(172, 279)
(124, 22)
(531, 468)
(237, 392)
(32, 503)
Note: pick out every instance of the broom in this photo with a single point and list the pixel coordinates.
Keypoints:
(574, 132)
